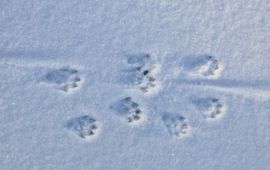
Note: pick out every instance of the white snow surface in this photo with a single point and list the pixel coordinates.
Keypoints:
(84, 41)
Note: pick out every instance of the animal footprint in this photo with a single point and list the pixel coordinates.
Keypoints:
(205, 66)
(176, 125)
(129, 110)
(143, 73)
(138, 60)
(65, 79)
(211, 108)
(85, 127)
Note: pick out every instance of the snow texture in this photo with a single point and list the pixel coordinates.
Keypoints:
(134, 85)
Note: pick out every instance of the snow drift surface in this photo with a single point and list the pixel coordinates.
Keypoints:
(145, 85)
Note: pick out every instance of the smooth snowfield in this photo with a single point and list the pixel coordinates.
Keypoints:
(134, 85)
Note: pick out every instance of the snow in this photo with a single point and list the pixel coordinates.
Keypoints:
(66, 62)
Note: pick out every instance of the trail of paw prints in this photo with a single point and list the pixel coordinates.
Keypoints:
(204, 66)
(129, 110)
(210, 108)
(176, 125)
(65, 79)
(84, 127)
(142, 73)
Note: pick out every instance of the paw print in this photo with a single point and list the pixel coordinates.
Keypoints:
(138, 60)
(129, 110)
(176, 125)
(204, 66)
(211, 108)
(65, 79)
(142, 73)
(146, 77)
(85, 127)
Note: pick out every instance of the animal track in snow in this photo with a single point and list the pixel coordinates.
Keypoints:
(85, 127)
(129, 110)
(145, 77)
(142, 74)
(176, 125)
(205, 66)
(211, 108)
(138, 60)
(65, 79)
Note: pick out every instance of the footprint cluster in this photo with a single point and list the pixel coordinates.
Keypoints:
(142, 74)
(129, 110)
(65, 79)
